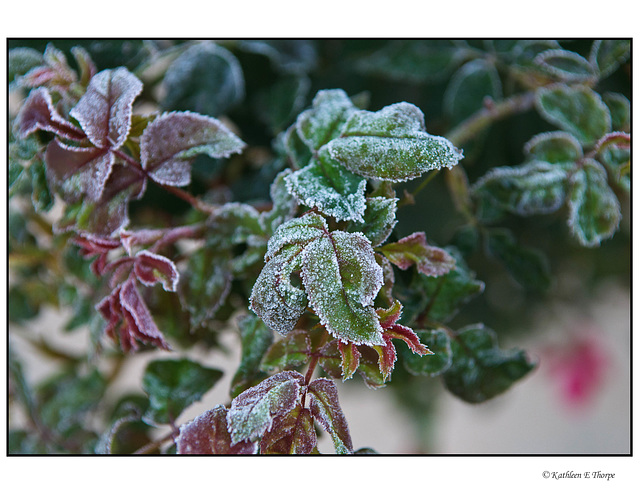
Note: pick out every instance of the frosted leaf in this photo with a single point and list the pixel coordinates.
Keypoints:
(578, 110)
(326, 409)
(104, 111)
(256, 339)
(341, 278)
(594, 209)
(607, 55)
(128, 318)
(92, 166)
(274, 298)
(323, 122)
(87, 69)
(152, 268)
(620, 109)
(534, 188)
(329, 187)
(253, 411)
(293, 433)
(299, 231)
(414, 250)
(391, 144)
(38, 113)
(565, 65)
(208, 434)
(614, 152)
(554, 147)
(378, 221)
(173, 140)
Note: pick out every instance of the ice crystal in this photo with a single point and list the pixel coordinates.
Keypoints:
(326, 409)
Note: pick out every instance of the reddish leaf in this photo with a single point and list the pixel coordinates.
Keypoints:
(293, 433)
(92, 166)
(409, 337)
(38, 113)
(208, 434)
(414, 250)
(386, 357)
(104, 111)
(96, 246)
(350, 359)
(389, 317)
(172, 141)
(326, 409)
(128, 315)
(151, 268)
(54, 73)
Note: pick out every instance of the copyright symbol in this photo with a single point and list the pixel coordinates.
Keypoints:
(545, 474)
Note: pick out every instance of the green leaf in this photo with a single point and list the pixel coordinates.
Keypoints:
(441, 297)
(607, 55)
(576, 109)
(256, 339)
(326, 409)
(41, 197)
(391, 144)
(339, 274)
(342, 278)
(620, 109)
(614, 152)
(480, 369)
(289, 352)
(173, 385)
(414, 61)
(277, 105)
(554, 147)
(329, 187)
(469, 87)
(529, 267)
(293, 147)
(324, 121)
(66, 399)
(594, 209)
(206, 78)
(253, 412)
(434, 364)
(530, 189)
(565, 65)
(293, 433)
(414, 250)
(379, 219)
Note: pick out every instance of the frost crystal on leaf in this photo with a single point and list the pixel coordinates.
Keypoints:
(38, 112)
(207, 434)
(413, 249)
(391, 144)
(151, 268)
(104, 111)
(326, 409)
(173, 140)
(254, 410)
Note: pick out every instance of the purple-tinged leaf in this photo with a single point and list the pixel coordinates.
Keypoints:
(413, 249)
(151, 268)
(208, 434)
(91, 245)
(91, 165)
(386, 357)
(326, 409)
(104, 111)
(293, 433)
(409, 337)
(54, 71)
(253, 411)
(173, 140)
(128, 318)
(38, 113)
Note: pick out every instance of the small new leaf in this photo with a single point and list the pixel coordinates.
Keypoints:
(414, 250)
(391, 144)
